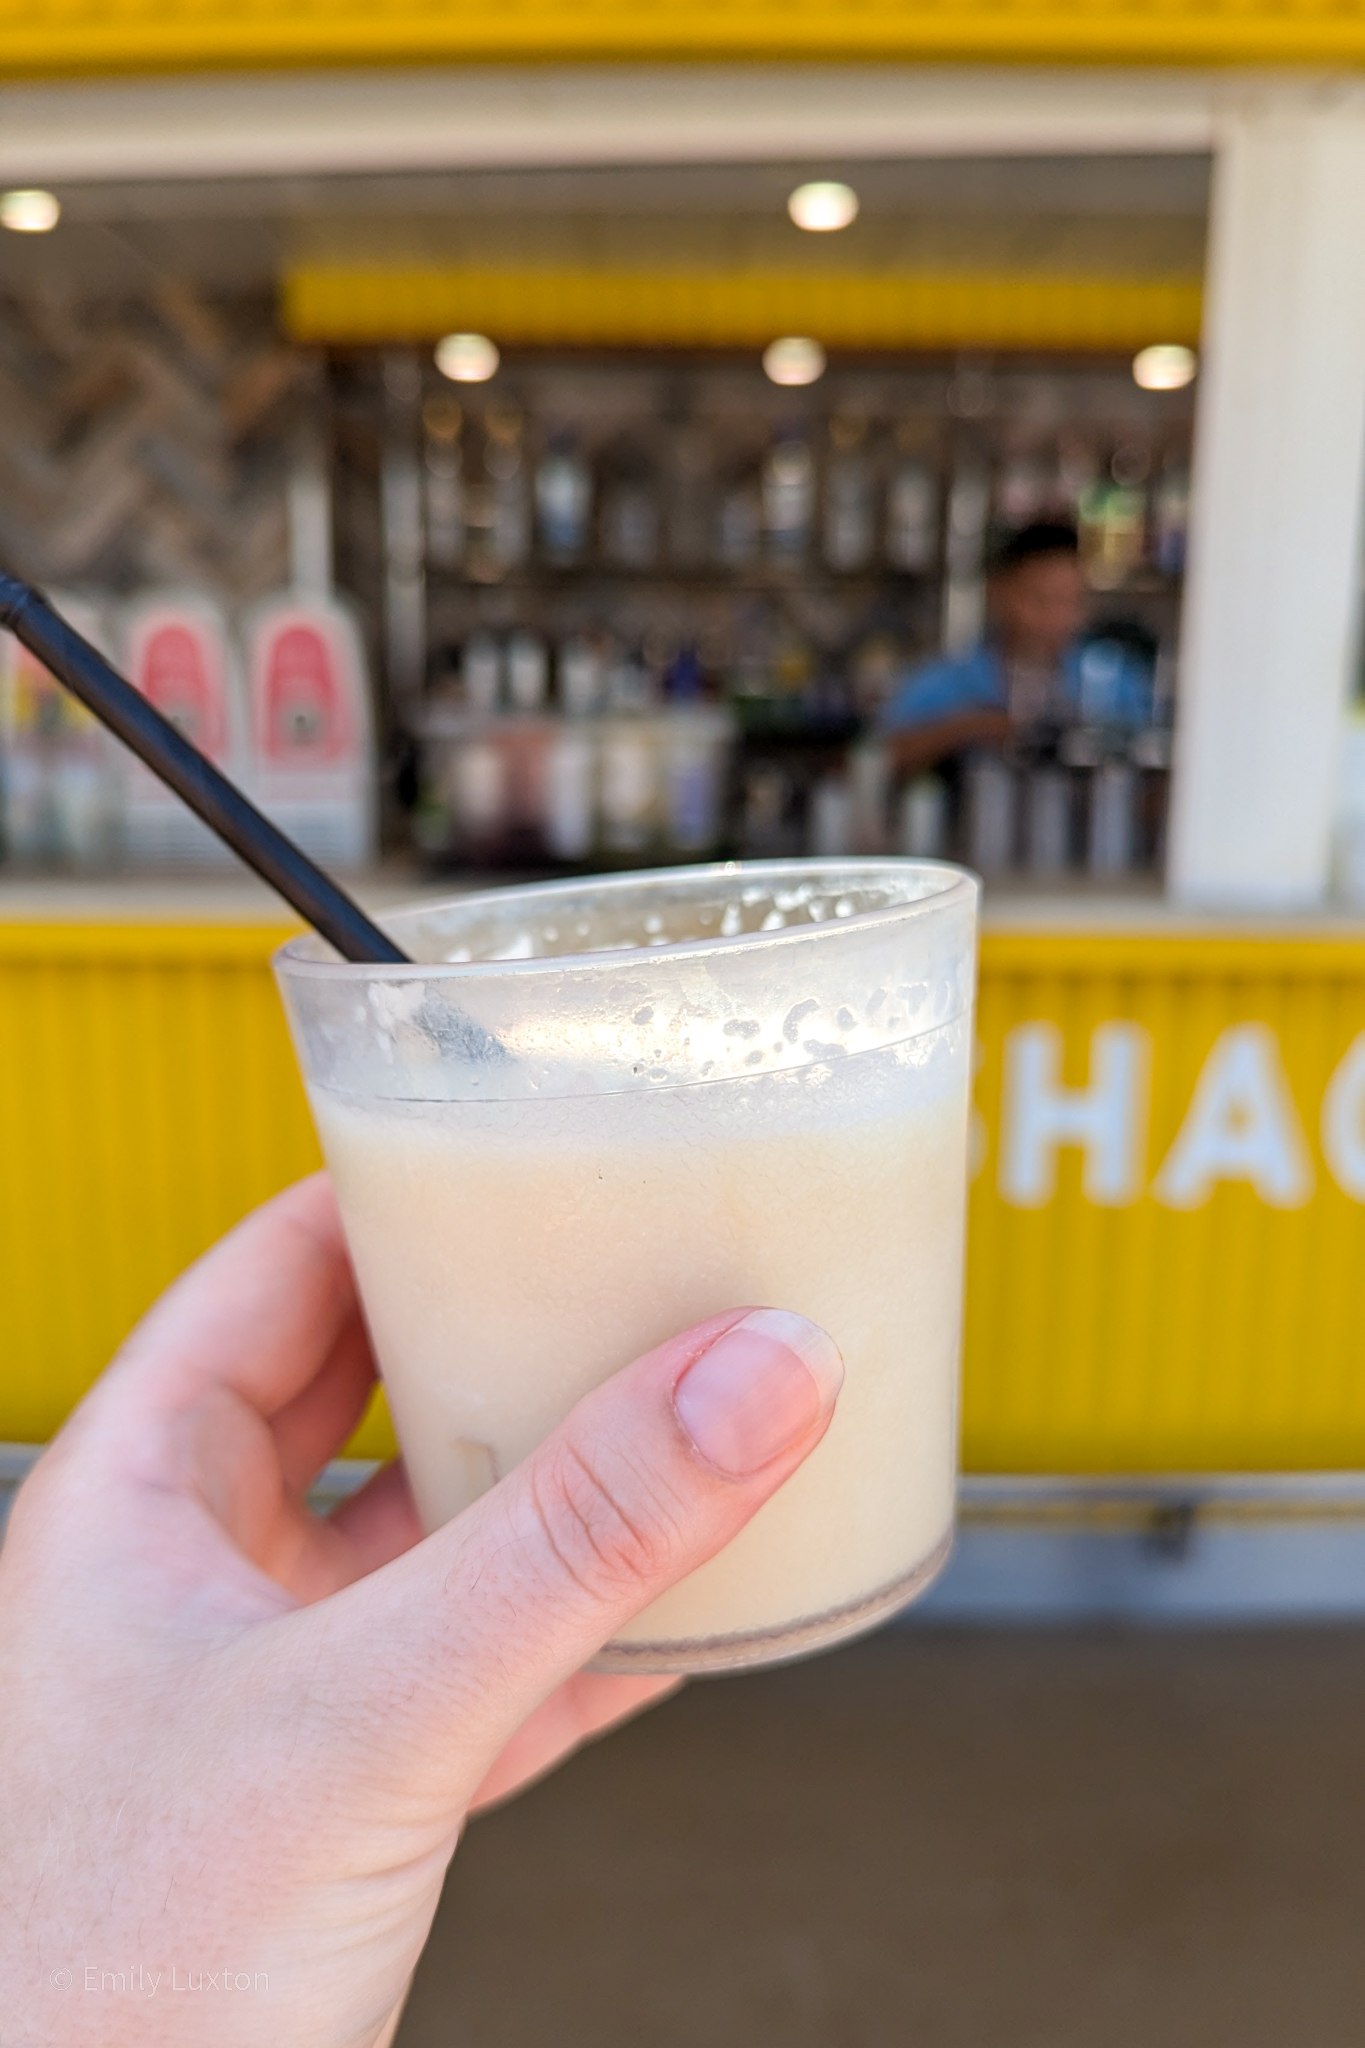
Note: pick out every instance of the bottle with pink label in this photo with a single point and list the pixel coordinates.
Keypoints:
(311, 728)
(177, 650)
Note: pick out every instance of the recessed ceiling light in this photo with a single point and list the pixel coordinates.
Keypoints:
(823, 205)
(1165, 366)
(795, 359)
(29, 212)
(467, 358)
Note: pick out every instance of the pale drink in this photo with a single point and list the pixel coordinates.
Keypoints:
(542, 1182)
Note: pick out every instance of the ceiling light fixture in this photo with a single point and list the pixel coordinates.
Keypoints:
(823, 206)
(467, 358)
(1165, 366)
(29, 212)
(795, 359)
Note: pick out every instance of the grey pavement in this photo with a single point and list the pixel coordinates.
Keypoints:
(947, 1839)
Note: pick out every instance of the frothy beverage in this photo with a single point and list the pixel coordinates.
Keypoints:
(514, 1248)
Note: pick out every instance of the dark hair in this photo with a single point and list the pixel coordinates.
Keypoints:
(1027, 543)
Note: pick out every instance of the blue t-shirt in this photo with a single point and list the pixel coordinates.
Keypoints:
(1104, 682)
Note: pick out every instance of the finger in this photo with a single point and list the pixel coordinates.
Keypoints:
(311, 1555)
(258, 1314)
(461, 1639)
(314, 1555)
(312, 1427)
(586, 1707)
(379, 1521)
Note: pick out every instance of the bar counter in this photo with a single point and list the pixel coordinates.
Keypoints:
(1167, 1223)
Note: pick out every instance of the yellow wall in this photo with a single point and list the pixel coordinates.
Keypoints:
(147, 1100)
(1172, 1315)
(48, 35)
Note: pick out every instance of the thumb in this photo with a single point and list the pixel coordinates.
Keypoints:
(650, 1475)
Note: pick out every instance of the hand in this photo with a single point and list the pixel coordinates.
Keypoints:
(239, 1741)
(920, 747)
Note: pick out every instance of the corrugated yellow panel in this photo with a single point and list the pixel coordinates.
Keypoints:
(148, 1099)
(339, 303)
(86, 35)
(1167, 1232)
(1217, 1321)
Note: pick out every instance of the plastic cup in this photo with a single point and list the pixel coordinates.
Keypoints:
(596, 1112)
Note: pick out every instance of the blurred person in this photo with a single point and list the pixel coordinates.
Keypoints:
(1029, 673)
(240, 1740)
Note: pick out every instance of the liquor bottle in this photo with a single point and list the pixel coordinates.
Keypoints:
(767, 806)
(445, 521)
(876, 667)
(789, 499)
(570, 776)
(1111, 838)
(630, 682)
(1112, 519)
(912, 517)
(991, 794)
(696, 748)
(964, 586)
(1047, 819)
(850, 516)
(689, 505)
(1021, 490)
(630, 512)
(481, 673)
(792, 665)
(497, 515)
(1170, 519)
(1077, 469)
(685, 678)
(310, 724)
(581, 679)
(476, 792)
(869, 783)
(629, 786)
(924, 819)
(563, 502)
(830, 824)
(630, 525)
(60, 772)
(178, 651)
(740, 525)
(528, 672)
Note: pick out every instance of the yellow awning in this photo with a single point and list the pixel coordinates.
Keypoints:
(346, 304)
(71, 35)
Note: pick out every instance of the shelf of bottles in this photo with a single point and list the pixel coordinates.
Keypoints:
(645, 608)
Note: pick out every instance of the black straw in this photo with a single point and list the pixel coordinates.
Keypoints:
(194, 778)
